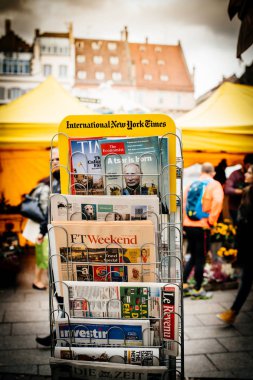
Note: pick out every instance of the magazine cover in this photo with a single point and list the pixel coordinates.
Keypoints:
(91, 207)
(74, 369)
(102, 332)
(123, 300)
(103, 251)
(85, 167)
(131, 166)
(170, 302)
(133, 355)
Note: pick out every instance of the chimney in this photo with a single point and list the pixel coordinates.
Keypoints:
(7, 26)
(146, 40)
(126, 33)
(37, 33)
(193, 74)
(70, 30)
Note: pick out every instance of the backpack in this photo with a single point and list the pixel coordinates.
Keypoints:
(194, 200)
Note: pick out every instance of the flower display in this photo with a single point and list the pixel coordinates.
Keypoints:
(219, 272)
(225, 234)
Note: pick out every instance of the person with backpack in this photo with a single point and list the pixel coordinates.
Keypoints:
(203, 202)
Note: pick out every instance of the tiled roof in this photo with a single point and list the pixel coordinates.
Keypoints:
(11, 42)
(164, 63)
(149, 66)
(54, 35)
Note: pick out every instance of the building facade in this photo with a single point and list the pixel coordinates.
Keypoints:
(151, 76)
(23, 66)
(110, 76)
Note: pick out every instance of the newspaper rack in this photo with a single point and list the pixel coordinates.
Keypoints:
(153, 357)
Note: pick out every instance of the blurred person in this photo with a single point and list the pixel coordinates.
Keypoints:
(234, 186)
(244, 245)
(197, 229)
(132, 175)
(220, 173)
(55, 170)
(41, 246)
(37, 233)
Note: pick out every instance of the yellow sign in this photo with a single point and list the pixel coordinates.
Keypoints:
(97, 126)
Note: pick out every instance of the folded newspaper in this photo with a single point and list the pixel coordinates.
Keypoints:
(103, 332)
(103, 251)
(74, 369)
(126, 355)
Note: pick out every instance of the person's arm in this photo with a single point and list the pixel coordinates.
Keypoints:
(217, 204)
(230, 185)
(44, 195)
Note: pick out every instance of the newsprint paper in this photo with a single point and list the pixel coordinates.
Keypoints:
(104, 207)
(102, 251)
(102, 332)
(74, 369)
(125, 355)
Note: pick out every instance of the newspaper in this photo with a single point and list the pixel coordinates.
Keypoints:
(104, 207)
(103, 251)
(102, 332)
(126, 355)
(170, 311)
(116, 300)
(74, 369)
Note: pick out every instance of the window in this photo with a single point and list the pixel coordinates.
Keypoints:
(54, 49)
(97, 59)
(2, 93)
(148, 77)
(79, 44)
(63, 71)
(81, 74)
(116, 76)
(158, 49)
(80, 58)
(99, 75)
(145, 61)
(47, 70)
(164, 77)
(95, 45)
(142, 48)
(161, 62)
(114, 60)
(112, 46)
(14, 66)
(14, 93)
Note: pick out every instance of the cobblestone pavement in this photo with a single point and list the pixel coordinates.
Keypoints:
(212, 350)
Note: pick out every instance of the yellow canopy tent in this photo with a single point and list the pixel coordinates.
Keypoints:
(27, 126)
(220, 127)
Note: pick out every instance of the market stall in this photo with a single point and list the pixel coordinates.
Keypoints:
(220, 127)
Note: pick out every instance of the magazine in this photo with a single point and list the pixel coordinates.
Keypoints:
(170, 302)
(74, 369)
(103, 251)
(136, 207)
(131, 166)
(102, 332)
(85, 167)
(116, 300)
(125, 355)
